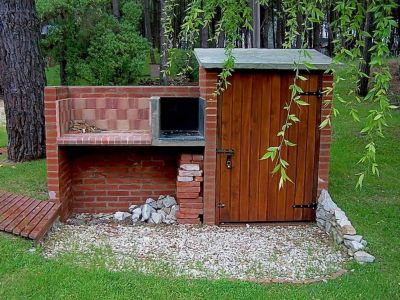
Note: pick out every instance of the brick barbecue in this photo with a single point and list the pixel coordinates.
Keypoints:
(125, 163)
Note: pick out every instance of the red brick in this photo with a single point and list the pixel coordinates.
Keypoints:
(187, 195)
(190, 205)
(181, 190)
(187, 184)
(193, 221)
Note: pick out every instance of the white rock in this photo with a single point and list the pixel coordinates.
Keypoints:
(353, 245)
(156, 218)
(326, 201)
(132, 208)
(146, 212)
(136, 214)
(363, 257)
(162, 213)
(121, 215)
(169, 201)
(167, 210)
(185, 178)
(190, 167)
(174, 209)
(160, 203)
(340, 215)
(364, 243)
(343, 222)
(190, 173)
(356, 238)
(337, 237)
(161, 197)
(135, 218)
(151, 202)
(348, 229)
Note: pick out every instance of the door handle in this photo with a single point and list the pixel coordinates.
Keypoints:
(229, 153)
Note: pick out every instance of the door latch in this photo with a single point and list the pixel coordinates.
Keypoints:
(229, 153)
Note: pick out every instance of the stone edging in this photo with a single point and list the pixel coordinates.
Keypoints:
(334, 222)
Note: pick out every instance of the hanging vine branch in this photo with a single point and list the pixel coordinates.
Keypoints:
(348, 47)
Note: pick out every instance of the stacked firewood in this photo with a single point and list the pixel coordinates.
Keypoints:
(82, 126)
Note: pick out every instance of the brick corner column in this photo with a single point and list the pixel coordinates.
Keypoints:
(207, 83)
(325, 135)
(57, 165)
(189, 189)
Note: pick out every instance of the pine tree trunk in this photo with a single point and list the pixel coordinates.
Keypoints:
(115, 9)
(163, 47)
(365, 65)
(22, 78)
(147, 30)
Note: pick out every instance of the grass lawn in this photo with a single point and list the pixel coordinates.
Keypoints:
(26, 178)
(375, 212)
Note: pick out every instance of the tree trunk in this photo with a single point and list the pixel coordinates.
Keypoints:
(22, 78)
(256, 34)
(365, 65)
(147, 30)
(316, 36)
(163, 47)
(300, 36)
(280, 26)
(115, 9)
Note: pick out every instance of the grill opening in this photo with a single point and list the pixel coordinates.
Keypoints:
(181, 117)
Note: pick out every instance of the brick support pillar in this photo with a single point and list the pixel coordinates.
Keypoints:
(207, 83)
(325, 136)
(57, 164)
(189, 189)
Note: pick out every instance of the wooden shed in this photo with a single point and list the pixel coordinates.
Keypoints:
(248, 116)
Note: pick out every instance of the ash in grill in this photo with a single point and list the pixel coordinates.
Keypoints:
(177, 121)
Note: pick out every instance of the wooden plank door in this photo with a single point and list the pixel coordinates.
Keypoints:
(250, 115)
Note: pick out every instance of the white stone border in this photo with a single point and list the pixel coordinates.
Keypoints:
(335, 223)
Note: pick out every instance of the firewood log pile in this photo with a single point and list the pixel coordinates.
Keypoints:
(82, 126)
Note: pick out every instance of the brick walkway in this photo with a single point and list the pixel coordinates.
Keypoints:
(25, 216)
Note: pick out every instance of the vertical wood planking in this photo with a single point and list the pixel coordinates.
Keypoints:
(274, 140)
(254, 153)
(264, 173)
(225, 135)
(310, 154)
(281, 196)
(245, 148)
(236, 118)
(301, 153)
(292, 160)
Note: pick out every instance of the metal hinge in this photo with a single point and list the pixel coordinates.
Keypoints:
(311, 205)
(221, 205)
(318, 93)
(225, 151)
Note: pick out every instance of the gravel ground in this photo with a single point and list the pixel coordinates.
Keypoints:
(2, 113)
(246, 253)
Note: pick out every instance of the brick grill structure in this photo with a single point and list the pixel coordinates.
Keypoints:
(108, 171)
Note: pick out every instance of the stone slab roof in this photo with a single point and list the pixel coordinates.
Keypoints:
(261, 59)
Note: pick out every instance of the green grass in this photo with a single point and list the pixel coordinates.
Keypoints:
(375, 212)
(26, 178)
(53, 75)
(3, 136)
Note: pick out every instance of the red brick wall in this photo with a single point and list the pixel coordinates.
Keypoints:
(107, 179)
(325, 136)
(207, 81)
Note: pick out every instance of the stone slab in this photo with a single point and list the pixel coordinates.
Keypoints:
(261, 59)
